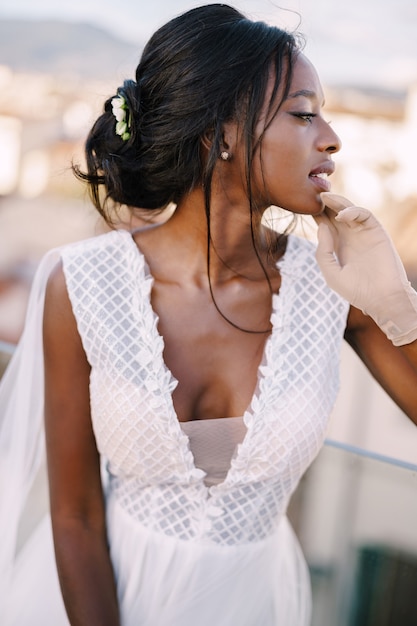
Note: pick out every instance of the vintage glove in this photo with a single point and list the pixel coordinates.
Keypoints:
(358, 261)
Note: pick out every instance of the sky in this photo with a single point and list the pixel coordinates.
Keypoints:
(367, 42)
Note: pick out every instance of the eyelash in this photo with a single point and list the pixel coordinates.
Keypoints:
(306, 117)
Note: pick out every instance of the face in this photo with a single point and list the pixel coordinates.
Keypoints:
(295, 154)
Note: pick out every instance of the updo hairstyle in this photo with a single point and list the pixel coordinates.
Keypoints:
(205, 67)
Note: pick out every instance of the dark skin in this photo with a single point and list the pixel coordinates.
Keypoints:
(198, 341)
(216, 364)
(76, 498)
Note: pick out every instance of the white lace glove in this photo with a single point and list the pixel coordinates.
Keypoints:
(358, 261)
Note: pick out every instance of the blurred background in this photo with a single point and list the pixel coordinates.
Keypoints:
(356, 509)
(59, 61)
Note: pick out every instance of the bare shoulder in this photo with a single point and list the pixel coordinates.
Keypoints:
(59, 325)
(56, 288)
(58, 309)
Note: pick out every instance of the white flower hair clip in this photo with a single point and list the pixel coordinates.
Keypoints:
(122, 115)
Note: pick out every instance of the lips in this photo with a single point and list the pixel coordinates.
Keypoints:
(319, 175)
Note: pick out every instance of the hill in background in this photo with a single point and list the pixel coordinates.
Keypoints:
(63, 48)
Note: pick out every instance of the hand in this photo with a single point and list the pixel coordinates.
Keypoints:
(358, 260)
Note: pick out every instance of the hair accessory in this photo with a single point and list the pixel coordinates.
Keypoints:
(225, 156)
(122, 115)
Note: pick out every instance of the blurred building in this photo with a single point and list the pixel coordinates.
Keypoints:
(43, 123)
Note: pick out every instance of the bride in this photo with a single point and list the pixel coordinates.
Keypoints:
(180, 377)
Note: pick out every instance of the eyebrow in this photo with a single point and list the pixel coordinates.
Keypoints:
(302, 92)
(306, 93)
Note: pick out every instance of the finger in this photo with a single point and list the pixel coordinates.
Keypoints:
(322, 218)
(328, 220)
(325, 253)
(334, 201)
(356, 217)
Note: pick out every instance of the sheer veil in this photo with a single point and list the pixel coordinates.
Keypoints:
(22, 448)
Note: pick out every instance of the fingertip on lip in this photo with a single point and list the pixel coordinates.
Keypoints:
(335, 201)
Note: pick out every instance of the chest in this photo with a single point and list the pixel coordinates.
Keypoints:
(294, 371)
(135, 407)
(216, 365)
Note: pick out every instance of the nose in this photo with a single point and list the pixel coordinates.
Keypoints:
(329, 140)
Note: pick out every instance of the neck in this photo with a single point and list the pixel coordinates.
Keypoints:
(232, 250)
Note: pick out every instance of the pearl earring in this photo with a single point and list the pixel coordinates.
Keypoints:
(225, 156)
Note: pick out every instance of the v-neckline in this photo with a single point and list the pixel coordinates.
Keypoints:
(250, 411)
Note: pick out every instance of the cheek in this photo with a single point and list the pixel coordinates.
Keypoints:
(279, 165)
(284, 148)
(282, 163)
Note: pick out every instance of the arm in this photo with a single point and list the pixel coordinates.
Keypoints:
(76, 498)
(359, 261)
(395, 368)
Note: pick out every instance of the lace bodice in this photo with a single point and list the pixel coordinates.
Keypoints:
(151, 468)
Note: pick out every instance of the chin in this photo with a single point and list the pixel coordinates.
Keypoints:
(317, 206)
(319, 209)
(307, 208)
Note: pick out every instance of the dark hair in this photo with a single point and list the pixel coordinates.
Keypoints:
(203, 68)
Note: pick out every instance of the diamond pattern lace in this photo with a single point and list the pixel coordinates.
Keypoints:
(151, 468)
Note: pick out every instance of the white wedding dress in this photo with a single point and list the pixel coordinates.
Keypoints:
(184, 552)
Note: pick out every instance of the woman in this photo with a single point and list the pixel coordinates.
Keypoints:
(190, 367)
